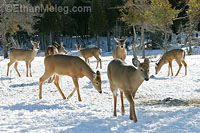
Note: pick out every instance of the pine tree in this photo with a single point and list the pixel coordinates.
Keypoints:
(97, 22)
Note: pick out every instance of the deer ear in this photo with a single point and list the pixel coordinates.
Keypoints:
(135, 62)
(98, 73)
(116, 40)
(32, 42)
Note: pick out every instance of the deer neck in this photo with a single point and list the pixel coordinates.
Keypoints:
(88, 72)
(34, 52)
(161, 63)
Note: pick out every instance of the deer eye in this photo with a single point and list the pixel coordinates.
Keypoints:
(97, 83)
(142, 70)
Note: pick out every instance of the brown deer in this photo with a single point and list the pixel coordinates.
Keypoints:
(127, 79)
(176, 54)
(55, 49)
(89, 52)
(51, 50)
(72, 66)
(119, 52)
(23, 55)
(60, 47)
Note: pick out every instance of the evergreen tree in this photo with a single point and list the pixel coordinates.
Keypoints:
(97, 22)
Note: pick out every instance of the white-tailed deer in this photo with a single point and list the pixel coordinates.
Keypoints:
(23, 55)
(60, 47)
(176, 54)
(89, 52)
(119, 52)
(72, 66)
(127, 79)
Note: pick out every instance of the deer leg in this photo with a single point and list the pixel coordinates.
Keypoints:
(72, 93)
(30, 69)
(114, 91)
(56, 82)
(132, 106)
(45, 76)
(168, 70)
(9, 64)
(180, 65)
(16, 63)
(27, 68)
(122, 102)
(75, 80)
(98, 61)
(185, 65)
(115, 104)
(171, 68)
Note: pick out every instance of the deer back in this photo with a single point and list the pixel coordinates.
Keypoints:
(66, 65)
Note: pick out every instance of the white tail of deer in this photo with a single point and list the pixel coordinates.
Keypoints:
(90, 52)
(128, 82)
(72, 66)
(23, 55)
(119, 52)
(176, 54)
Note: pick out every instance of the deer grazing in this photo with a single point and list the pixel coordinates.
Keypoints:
(89, 52)
(119, 52)
(23, 55)
(55, 49)
(128, 82)
(72, 66)
(176, 54)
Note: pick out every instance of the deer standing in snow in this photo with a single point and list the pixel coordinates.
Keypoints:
(89, 52)
(127, 79)
(119, 52)
(23, 55)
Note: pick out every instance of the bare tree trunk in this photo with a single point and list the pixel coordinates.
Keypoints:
(142, 42)
(134, 39)
(108, 41)
(16, 45)
(5, 50)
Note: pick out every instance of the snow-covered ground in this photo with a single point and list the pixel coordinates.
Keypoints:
(163, 104)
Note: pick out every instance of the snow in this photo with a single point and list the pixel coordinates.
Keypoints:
(163, 104)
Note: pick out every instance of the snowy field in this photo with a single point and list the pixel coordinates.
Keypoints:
(163, 104)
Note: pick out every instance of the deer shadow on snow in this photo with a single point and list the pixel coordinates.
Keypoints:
(23, 85)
